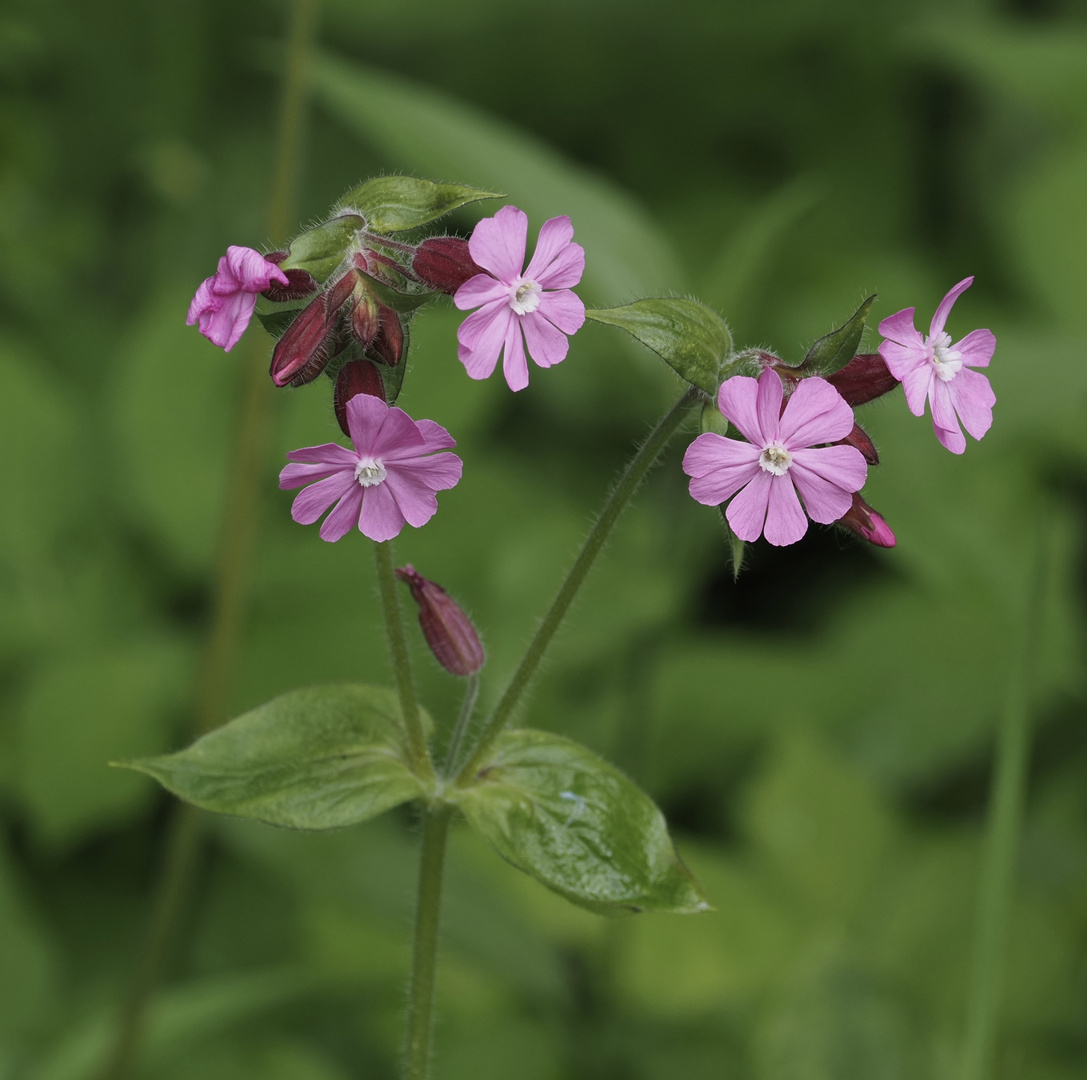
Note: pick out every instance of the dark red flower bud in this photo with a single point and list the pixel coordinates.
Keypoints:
(340, 296)
(448, 631)
(300, 283)
(863, 379)
(365, 321)
(389, 341)
(444, 263)
(867, 524)
(858, 437)
(302, 353)
(355, 377)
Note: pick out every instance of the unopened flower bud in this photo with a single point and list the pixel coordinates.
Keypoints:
(448, 631)
(355, 377)
(300, 283)
(863, 379)
(388, 343)
(444, 263)
(302, 353)
(867, 523)
(340, 297)
(859, 438)
(365, 320)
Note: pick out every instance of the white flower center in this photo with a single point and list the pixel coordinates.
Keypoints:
(369, 472)
(775, 459)
(946, 361)
(525, 297)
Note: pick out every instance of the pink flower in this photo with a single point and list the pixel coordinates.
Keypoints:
(388, 479)
(779, 459)
(934, 368)
(537, 303)
(223, 305)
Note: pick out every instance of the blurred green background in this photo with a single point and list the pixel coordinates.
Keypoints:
(820, 735)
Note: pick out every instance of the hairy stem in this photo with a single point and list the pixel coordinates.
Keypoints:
(616, 503)
(471, 693)
(237, 536)
(425, 947)
(401, 661)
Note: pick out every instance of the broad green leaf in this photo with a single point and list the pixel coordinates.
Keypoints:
(686, 335)
(423, 127)
(320, 250)
(579, 826)
(831, 353)
(395, 203)
(318, 758)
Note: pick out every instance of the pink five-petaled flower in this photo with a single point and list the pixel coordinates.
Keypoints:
(933, 367)
(224, 303)
(388, 479)
(537, 302)
(780, 458)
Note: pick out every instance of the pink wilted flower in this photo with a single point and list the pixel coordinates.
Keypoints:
(388, 479)
(533, 308)
(935, 368)
(224, 303)
(781, 457)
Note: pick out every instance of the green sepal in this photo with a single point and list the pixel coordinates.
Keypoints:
(276, 322)
(686, 335)
(578, 825)
(320, 250)
(318, 758)
(736, 546)
(395, 203)
(746, 363)
(831, 353)
(404, 303)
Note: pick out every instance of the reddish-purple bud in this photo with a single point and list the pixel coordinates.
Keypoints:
(355, 377)
(389, 340)
(302, 353)
(444, 263)
(448, 631)
(340, 297)
(863, 379)
(300, 283)
(867, 523)
(858, 437)
(365, 320)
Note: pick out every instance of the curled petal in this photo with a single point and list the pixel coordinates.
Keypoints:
(498, 243)
(939, 320)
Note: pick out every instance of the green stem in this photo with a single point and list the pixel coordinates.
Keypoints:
(236, 543)
(471, 693)
(616, 503)
(1006, 800)
(425, 949)
(401, 661)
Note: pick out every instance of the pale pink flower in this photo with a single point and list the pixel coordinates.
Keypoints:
(780, 458)
(935, 368)
(388, 479)
(224, 303)
(531, 308)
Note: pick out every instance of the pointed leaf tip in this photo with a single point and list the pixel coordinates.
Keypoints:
(396, 203)
(832, 352)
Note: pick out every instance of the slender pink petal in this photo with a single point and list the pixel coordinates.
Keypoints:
(555, 235)
(977, 348)
(545, 342)
(328, 453)
(939, 320)
(955, 441)
(826, 479)
(478, 365)
(494, 324)
(435, 436)
(415, 500)
(943, 411)
(768, 406)
(973, 399)
(712, 451)
(720, 484)
(816, 413)
(565, 270)
(294, 476)
(736, 401)
(398, 437)
(916, 383)
(225, 324)
(481, 324)
(365, 415)
(479, 290)
(514, 365)
(498, 244)
(310, 503)
(902, 359)
(564, 309)
(204, 300)
(747, 511)
(785, 520)
(381, 518)
(344, 516)
(244, 268)
(438, 471)
(899, 327)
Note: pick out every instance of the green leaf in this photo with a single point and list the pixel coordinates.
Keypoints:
(687, 335)
(395, 203)
(405, 303)
(318, 758)
(579, 826)
(276, 322)
(831, 353)
(320, 250)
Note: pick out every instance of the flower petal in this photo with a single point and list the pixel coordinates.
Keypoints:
(478, 366)
(736, 401)
(899, 327)
(514, 364)
(712, 451)
(826, 478)
(399, 437)
(479, 290)
(720, 484)
(916, 385)
(310, 503)
(973, 400)
(294, 476)
(365, 415)
(225, 325)
(414, 497)
(248, 270)
(944, 419)
(768, 405)
(955, 441)
(434, 435)
(480, 324)
(204, 300)
(498, 243)
(328, 453)
(977, 348)
(481, 345)
(785, 520)
(381, 518)
(555, 235)
(545, 342)
(564, 309)
(816, 413)
(565, 271)
(438, 471)
(747, 511)
(939, 320)
(902, 359)
(344, 516)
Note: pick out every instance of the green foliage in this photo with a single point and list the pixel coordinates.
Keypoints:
(578, 825)
(319, 758)
(321, 249)
(395, 203)
(832, 352)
